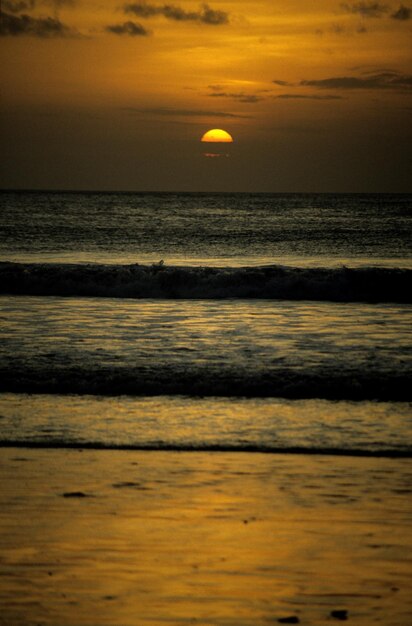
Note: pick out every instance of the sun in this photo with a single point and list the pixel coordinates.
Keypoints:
(217, 135)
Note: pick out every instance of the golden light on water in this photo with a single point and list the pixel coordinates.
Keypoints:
(217, 135)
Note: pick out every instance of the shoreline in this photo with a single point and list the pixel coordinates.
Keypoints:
(124, 538)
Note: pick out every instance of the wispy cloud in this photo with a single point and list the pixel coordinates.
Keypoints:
(366, 9)
(387, 80)
(299, 96)
(402, 14)
(239, 97)
(170, 112)
(205, 15)
(45, 27)
(282, 83)
(383, 79)
(132, 29)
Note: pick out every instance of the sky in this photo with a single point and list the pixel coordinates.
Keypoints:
(112, 95)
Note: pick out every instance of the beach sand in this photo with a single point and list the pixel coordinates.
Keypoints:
(125, 538)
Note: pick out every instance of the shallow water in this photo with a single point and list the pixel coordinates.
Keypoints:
(187, 423)
(230, 348)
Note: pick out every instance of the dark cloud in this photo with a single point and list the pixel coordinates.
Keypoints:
(382, 80)
(240, 97)
(166, 112)
(18, 6)
(132, 29)
(366, 9)
(377, 9)
(213, 17)
(403, 13)
(205, 15)
(291, 96)
(46, 27)
(282, 83)
(142, 9)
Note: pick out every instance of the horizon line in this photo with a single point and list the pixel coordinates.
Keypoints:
(188, 192)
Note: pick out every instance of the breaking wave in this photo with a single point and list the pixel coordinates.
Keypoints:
(158, 446)
(340, 384)
(341, 284)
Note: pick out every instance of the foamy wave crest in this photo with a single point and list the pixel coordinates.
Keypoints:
(341, 384)
(342, 284)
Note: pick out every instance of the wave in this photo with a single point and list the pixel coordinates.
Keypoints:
(236, 447)
(341, 284)
(197, 381)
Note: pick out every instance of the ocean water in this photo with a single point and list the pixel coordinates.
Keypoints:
(271, 322)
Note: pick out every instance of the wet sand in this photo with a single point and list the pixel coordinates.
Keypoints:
(216, 539)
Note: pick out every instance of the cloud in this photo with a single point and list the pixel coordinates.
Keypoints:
(240, 97)
(366, 9)
(142, 9)
(377, 9)
(402, 14)
(18, 6)
(45, 27)
(205, 15)
(290, 96)
(132, 29)
(386, 80)
(282, 83)
(167, 112)
(213, 17)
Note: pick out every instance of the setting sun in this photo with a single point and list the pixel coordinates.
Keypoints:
(217, 135)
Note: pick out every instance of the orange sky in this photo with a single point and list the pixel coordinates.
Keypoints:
(113, 95)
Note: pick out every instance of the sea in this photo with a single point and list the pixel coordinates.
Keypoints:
(206, 321)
